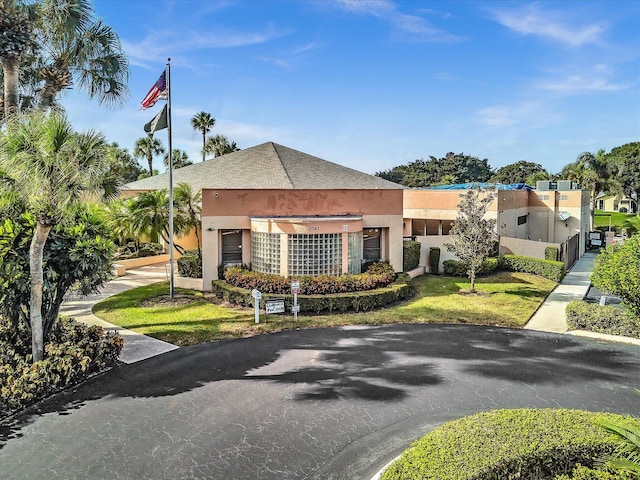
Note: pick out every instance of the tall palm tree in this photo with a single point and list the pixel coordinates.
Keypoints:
(189, 206)
(203, 122)
(219, 145)
(179, 158)
(596, 176)
(53, 168)
(148, 147)
(78, 48)
(15, 39)
(150, 216)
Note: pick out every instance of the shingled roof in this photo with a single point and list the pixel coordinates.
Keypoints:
(266, 166)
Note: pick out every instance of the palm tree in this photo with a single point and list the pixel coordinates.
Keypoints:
(148, 147)
(595, 175)
(150, 216)
(179, 158)
(626, 458)
(52, 167)
(189, 206)
(203, 122)
(219, 145)
(16, 38)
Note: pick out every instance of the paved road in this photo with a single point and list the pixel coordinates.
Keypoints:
(315, 404)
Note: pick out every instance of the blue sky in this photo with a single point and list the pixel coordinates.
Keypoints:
(375, 84)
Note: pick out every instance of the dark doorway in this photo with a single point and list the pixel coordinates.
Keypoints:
(231, 246)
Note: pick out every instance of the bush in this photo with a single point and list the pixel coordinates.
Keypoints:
(545, 268)
(341, 302)
(410, 255)
(458, 268)
(378, 275)
(551, 253)
(190, 264)
(617, 271)
(138, 250)
(585, 473)
(73, 351)
(602, 319)
(524, 443)
(434, 260)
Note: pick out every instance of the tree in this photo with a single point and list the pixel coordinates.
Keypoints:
(15, 39)
(626, 458)
(179, 159)
(595, 177)
(624, 163)
(150, 216)
(518, 172)
(122, 165)
(219, 145)
(62, 44)
(203, 122)
(473, 236)
(465, 168)
(617, 271)
(51, 167)
(148, 147)
(189, 206)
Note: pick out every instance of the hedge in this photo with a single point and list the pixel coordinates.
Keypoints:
(410, 255)
(523, 443)
(190, 264)
(585, 473)
(545, 268)
(434, 260)
(458, 268)
(341, 302)
(73, 351)
(551, 253)
(602, 319)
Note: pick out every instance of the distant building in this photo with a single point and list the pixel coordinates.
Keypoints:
(613, 203)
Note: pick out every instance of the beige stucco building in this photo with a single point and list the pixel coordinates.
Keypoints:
(290, 213)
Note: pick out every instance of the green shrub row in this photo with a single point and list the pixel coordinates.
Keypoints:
(551, 253)
(190, 264)
(410, 255)
(458, 268)
(503, 444)
(378, 275)
(545, 268)
(585, 473)
(73, 351)
(434, 260)
(399, 290)
(602, 319)
(139, 250)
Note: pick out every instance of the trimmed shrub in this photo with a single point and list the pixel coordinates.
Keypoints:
(341, 302)
(554, 271)
(73, 351)
(523, 443)
(585, 473)
(458, 268)
(434, 260)
(551, 253)
(190, 264)
(410, 255)
(602, 319)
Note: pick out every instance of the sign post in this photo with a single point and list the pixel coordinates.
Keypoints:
(295, 289)
(257, 295)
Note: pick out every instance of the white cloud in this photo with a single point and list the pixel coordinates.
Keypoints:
(524, 114)
(531, 20)
(580, 84)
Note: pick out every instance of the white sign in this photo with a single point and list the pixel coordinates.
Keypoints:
(295, 308)
(274, 306)
(295, 286)
(257, 294)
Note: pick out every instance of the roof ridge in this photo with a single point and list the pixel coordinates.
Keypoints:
(286, 172)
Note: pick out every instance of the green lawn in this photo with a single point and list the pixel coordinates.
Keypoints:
(507, 299)
(601, 219)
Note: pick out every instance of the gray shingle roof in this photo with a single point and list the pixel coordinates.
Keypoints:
(266, 166)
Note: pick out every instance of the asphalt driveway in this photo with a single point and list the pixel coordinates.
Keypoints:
(318, 404)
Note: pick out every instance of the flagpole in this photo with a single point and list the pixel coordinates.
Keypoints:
(171, 281)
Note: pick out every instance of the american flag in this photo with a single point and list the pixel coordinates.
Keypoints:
(157, 92)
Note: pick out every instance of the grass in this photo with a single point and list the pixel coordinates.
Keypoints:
(601, 219)
(506, 299)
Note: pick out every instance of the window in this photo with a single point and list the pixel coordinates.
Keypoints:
(600, 204)
(522, 219)
(433, 227)
(372, 250)
(315, 254)
(265, 252)
(355, 247)
(564, 197)
(446, 226)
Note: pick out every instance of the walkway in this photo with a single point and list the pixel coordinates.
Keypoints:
(333, 403)
(551, 316)
(136, 346)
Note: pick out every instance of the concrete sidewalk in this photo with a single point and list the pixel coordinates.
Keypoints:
(551, 316)
(136, 346)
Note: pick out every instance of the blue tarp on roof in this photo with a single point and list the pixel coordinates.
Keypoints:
(468, 186)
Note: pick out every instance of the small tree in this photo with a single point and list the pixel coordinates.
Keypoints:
(473, 236)
(617, 271)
